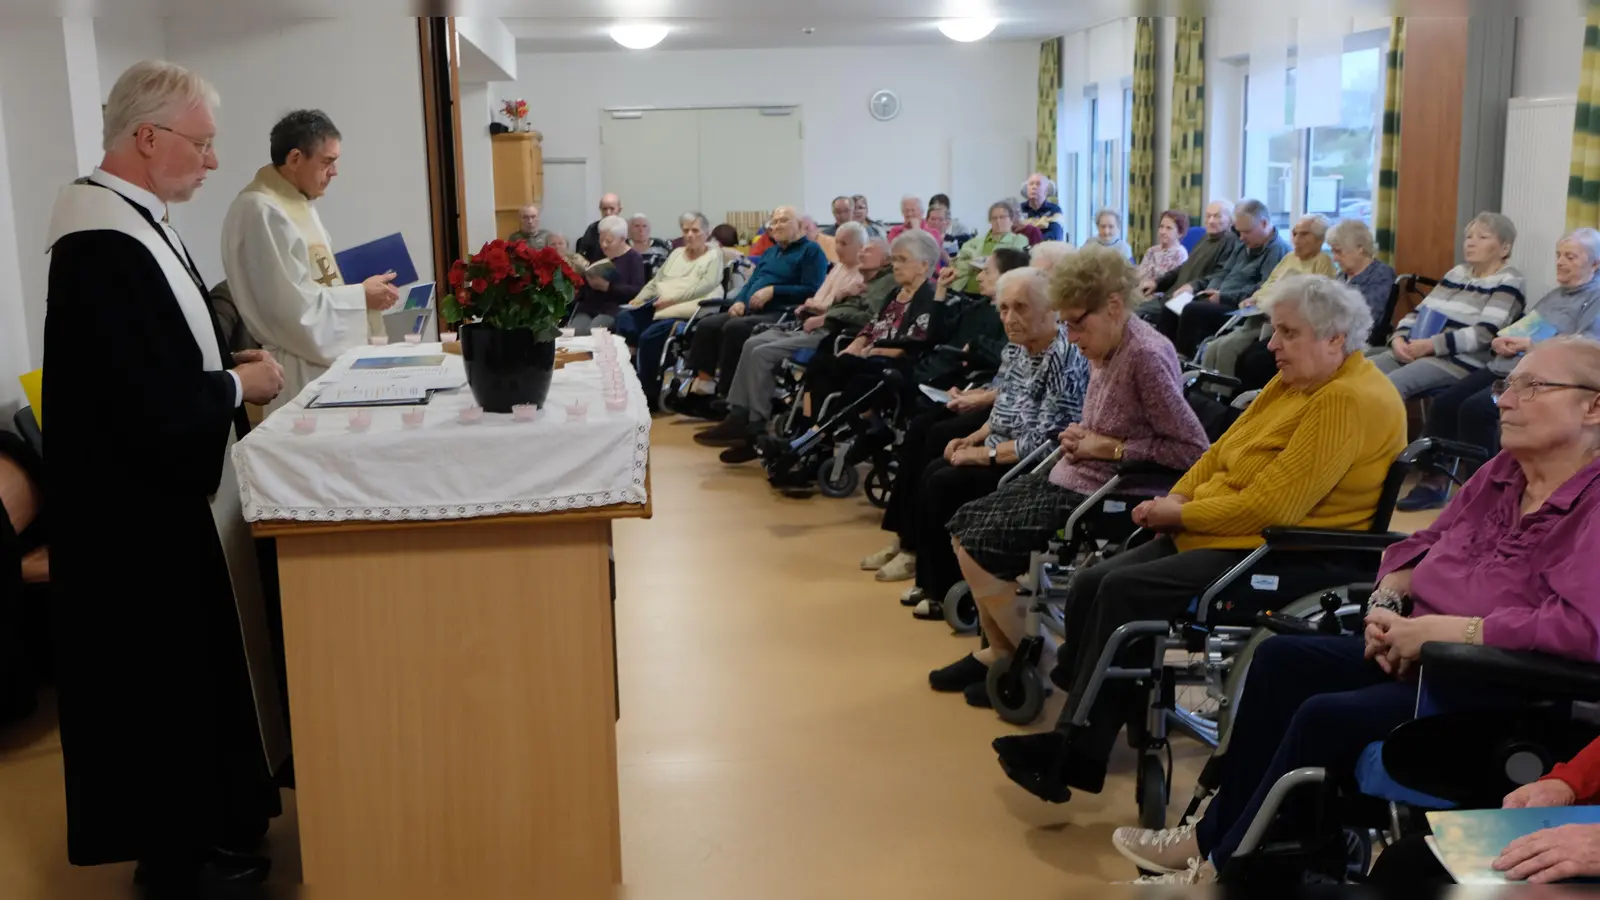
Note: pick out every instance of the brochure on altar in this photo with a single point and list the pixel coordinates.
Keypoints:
(1467, 842)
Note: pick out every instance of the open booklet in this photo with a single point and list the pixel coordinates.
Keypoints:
(1467, 842)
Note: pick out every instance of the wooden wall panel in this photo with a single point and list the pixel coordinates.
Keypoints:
(1430, 145)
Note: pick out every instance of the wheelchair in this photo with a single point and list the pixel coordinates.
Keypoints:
(1212, 637)
(676, 374)
(1538, 712)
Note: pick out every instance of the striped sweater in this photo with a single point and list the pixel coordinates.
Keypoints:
(1313, 459)
(1039, 395)
(1476, 307)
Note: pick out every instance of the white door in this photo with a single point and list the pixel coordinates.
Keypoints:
(750, 160)
(567, 210)
(651, 159)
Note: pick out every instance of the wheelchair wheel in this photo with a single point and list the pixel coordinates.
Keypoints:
(1152, 792)
(840, 486)
(1016, 691)
(961, 609)
(1358, 852)
(879, 484)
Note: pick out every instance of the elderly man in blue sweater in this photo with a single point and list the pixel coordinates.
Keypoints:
(787, 275)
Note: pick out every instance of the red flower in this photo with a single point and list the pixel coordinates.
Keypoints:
(458, 274)
(499, 263)
(479, 285)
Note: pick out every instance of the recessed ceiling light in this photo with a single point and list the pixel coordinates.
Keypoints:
(638, 36)
(966, 30)
(808, 30)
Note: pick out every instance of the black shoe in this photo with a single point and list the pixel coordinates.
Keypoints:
(730, 432)
(1029, 760)
(209, 867)
(912, 597)
(935, 611)
(978, 694)
(699, 406)
(739, 453)
(959, 675)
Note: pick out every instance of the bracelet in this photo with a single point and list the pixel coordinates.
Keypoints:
(1386, 598)
(1475, 630)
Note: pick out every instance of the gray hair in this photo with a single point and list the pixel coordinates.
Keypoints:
(1318, 223)
(1049, 185)
(1045, 254)
(853, 228)
(1503, 229)
(695, 216)
(1034, 283)
(919, 244)
(305, 130)
(1009, 205)
(876, 240)
(1108, 211)
(639, 217)
(616, 226)
(1353, 234)
(1255, 209)
(1587, 238)
(1331, 309)
(148, 91)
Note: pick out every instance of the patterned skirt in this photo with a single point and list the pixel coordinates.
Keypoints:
(1002, 530)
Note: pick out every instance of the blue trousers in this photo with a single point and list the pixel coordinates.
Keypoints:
(631, 323)
(1308, 701)
(647, 361)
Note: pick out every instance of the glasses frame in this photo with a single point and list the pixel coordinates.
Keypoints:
(204, 146)
(1532, 388)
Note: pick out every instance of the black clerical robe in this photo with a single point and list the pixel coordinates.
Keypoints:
(163, 749)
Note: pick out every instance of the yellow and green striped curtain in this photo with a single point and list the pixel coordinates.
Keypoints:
(1187, 158)
(1385, 209)
(1044, 154)
(1141, 228)
(1583, 182)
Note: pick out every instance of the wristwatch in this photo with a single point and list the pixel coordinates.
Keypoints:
(1116, 455)
(994, 453)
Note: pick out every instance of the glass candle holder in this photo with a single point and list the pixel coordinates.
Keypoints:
(615, 402)
(360, 420)
(447, 337)
(378, 340)
(525, 412)
(305, 423)
(411, 418)
(413, 338)
(577, 410)
(472, 415)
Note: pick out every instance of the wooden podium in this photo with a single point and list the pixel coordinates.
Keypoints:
(452, 688)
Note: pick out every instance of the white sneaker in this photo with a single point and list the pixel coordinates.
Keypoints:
(902, 568)
(1200, 871)
(880, 559)
(1166, 851)
(703, 387)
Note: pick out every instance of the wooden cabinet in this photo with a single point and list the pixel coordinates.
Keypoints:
(518, 177)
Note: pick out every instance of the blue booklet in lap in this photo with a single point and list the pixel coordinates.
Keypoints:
(1531, 326)
(1467, 842)
(386, 254)
(1429, 323)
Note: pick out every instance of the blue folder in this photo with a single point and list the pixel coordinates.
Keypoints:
(386, 254)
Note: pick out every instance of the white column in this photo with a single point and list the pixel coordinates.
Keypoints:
(14, 356)
(477, 164)
(83, 86)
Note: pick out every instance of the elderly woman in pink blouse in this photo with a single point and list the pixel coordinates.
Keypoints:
(1510, 564)
(1134, 409)
(1168, 253)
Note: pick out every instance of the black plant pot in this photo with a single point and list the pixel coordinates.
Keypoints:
(506, 368)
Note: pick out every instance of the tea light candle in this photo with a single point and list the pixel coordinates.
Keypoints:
(360, 420)
(413, 417)
(577, 410)
(378, 340)
(525, 412)
(615, 402)
(568, 332)
(602, 334)
(305, 423)
(472, 415)
(448, 337)
(413, 338)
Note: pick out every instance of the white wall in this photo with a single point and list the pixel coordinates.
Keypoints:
(1549, 56)
(15, 357)
(363, 72)
(122, 41)
(477, 164)
(984, 90)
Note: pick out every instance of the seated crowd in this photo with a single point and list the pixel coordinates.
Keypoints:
(1057, 369)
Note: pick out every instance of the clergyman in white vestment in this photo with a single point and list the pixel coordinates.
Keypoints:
(280, 264)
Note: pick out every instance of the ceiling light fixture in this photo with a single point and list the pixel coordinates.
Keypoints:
(967, 30)
(639, 36)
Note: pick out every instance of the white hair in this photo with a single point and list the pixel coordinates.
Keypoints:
(1329, 307)
(1587, 238)
(919, 244)
(1034, 283)
(695, 216)
(1318, 224)
(913, 198)
(148, 93)
(1353, 234)
(616, 226)
(639, 217)
(1049, 185)
(858, 230)
(1046, 254)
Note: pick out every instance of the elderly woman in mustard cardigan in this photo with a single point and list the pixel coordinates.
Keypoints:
(1312, 451)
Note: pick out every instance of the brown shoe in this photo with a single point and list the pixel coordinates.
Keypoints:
(730, 432)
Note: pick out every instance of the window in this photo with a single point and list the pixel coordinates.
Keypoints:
(1127, 156)
(1332, 171)
(1096, 170)
(1108, 168)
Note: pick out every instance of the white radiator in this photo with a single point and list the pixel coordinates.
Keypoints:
(1534, 195)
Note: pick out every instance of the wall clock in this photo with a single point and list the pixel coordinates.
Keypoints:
(884, 105)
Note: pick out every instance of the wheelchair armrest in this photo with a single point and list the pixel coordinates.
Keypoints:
(1539, 673)
(1197, 376)
(899, 344)
(950, 350)
(1280, 538)
(717, 303)
(1465, 452)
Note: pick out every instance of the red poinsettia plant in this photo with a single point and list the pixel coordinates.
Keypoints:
(515, 110)
(508, 286)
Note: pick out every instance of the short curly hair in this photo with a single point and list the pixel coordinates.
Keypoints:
(1084, 281)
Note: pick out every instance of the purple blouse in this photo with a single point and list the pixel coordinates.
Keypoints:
(1534, 579)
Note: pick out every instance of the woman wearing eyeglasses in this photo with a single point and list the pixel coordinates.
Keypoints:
(1466, 411)
(1509, 564)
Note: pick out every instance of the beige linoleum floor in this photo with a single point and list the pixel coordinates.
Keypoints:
(778, 738)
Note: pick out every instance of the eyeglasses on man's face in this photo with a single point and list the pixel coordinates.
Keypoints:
(1526, 387)
(204, 145)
